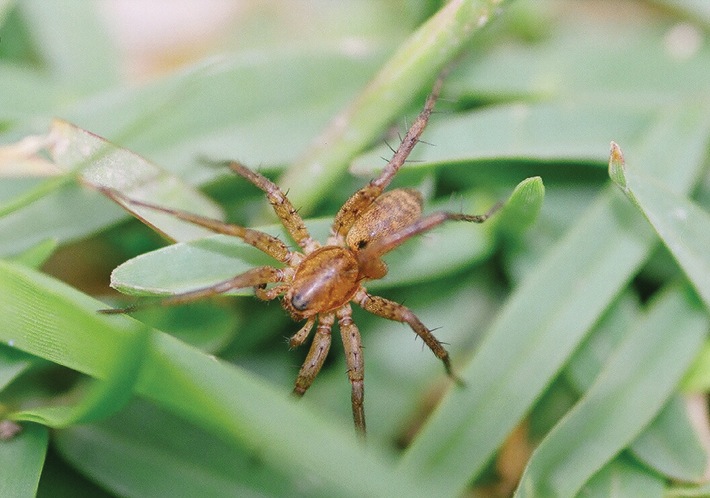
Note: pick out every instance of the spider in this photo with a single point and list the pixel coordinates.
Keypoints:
(319, 282)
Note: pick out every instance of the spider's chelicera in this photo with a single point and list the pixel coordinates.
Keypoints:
(319, 282)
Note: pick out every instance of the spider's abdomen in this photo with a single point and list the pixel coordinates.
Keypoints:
(325, 280)
(389, 213)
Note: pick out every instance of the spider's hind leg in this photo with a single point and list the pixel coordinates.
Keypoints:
(394, 311)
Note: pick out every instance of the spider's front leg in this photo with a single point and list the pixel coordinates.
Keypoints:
(356, 366)
(394, 311)
(363, 198)
(283, 208)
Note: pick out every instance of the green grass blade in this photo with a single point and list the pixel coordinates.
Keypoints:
(631, 389)
(48, 319)
(669, 444)
(192, 462)
(73, 43)
(622, 478)
(185, 266)
(681, 224)
(523, 207)
(549, 314)
(21, 461)
(407, 73)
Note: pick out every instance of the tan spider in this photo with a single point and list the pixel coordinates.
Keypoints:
(319, 283)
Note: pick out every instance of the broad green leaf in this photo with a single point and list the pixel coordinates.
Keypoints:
(49, 319)
(550, 312)
(232, 108)
(103, 165)
(670, 444)
(629, 391)
(411, 70)
(650, 72)
(682, 225)
(219, 109)
(21, 460)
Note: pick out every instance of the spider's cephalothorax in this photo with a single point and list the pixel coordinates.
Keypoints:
(319, 282)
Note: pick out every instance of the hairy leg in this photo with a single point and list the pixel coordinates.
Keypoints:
(300, 337)
(356, 365)
(385, 244)
(361, 200)
(394, 311)
(316, 355)
(250, 278)
(262, 241)
(282, 206)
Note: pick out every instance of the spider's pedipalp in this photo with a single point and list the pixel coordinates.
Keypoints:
(283, 208)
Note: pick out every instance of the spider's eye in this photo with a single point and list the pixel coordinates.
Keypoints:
(361, 243)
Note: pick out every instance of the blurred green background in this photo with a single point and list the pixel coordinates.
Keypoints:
(579, 323)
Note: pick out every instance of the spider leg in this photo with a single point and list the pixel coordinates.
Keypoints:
(262, 241)
(282, 206)
(250, 278)
(316, 355)
(299, 337)
(383, 245)
(394, 311)
(361, 200)
(356, 365)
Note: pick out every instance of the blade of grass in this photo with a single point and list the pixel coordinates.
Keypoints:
(681, 224)
(628, 393)
(550, 313)
(75, 45)
(21, 461)
(407, 73)
(49, 319)
(141, 439)
(623, 478)
(669, 444)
